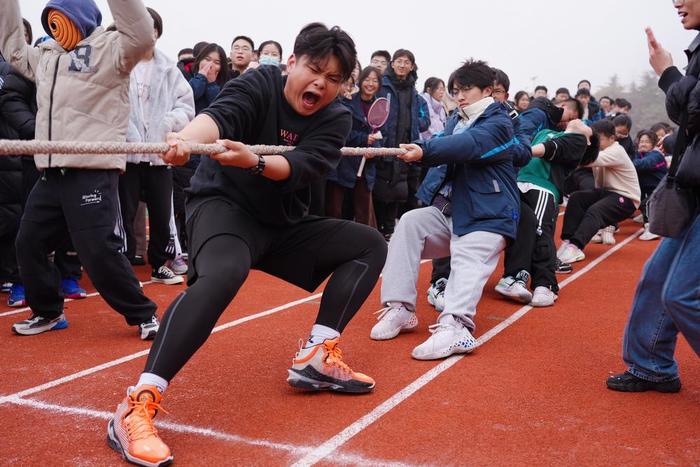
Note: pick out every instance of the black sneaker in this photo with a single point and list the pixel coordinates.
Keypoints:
(137, 261)
(563, 268)
(165, 275)
(149, 329)
(627, 382)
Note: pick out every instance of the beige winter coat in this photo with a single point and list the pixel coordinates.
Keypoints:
(82, 95)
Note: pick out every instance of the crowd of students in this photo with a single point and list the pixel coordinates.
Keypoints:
(481, 175)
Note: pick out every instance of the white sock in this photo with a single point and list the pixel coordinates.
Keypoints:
(320, 333)
(150, 379)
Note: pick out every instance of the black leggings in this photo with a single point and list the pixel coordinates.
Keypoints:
(191, 317)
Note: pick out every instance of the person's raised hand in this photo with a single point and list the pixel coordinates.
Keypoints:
(659, 58)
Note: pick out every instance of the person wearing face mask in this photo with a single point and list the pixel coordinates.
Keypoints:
(270, 53)
(82, 80)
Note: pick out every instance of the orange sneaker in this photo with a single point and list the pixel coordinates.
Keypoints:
(322, 367)
(131, 431)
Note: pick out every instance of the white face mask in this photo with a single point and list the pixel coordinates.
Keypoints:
(269, 60)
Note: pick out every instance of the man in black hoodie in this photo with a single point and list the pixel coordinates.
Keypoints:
(247, 211)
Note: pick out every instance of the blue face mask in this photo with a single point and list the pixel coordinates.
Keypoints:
(269, 60)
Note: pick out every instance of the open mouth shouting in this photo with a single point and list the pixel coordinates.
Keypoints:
(310, 99)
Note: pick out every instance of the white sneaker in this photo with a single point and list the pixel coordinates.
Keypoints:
(513, 288)
(571, 254)
(647, 235)
(149, 329)
(562, 246)
(608, 236)
(639, 219)
(598, 237)
(543, 297)
(178, 265)
(448, 337)
(436, 294)
(392, 320)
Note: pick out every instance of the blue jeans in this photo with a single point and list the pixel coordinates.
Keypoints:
(667, 302)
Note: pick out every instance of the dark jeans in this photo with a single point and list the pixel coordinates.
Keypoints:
(361, 200)
(591, 210)
(153, 183)
(82, 205)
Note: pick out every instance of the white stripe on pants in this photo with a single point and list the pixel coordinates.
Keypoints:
(426, 233)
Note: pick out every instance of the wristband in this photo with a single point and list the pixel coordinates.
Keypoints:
(258, 168)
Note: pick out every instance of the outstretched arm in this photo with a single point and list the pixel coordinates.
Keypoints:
(14, 48)
(135, 28)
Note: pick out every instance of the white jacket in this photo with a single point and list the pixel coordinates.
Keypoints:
(168, 107)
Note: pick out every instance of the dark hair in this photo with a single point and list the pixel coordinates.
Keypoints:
(198, 47)
(186, 50)
(157, 21)
(623, 103)
(574, 104)
(405, 53)
(652, 136)
(658, 126)
(519, 95)
(540, 87)
(583, 81)
(622, 120)
(381, 53)
(500, 77)
(317, 42)
(223, 76)
(245, 38)
(583, 92)
(275, 43)
(28, 28)
(366, 72)
(610, 99)
(472, 73)
(432, 83)
(563, 91)
(604, 127)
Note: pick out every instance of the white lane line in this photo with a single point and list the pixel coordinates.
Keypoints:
(119, 361)
(67, 300)
(348, 459)
(332, 444)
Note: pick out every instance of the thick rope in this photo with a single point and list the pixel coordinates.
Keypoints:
(14, 147)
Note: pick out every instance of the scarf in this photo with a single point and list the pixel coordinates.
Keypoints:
(470, 113)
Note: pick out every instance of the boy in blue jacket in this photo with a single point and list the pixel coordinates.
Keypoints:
(473, 213)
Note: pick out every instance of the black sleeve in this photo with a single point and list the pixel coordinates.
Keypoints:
(240, 107)
(17, 101)
(318, 151)
(567, 149)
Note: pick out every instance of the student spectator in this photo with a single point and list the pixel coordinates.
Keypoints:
(210, 75)
(522, 101)
(242, 48)
(380, 60)
(160, 102)
(562, 95)
(651, 168)
(621, 106)
(344, 180)
(185, 58)
(591, 110)
(540, 91)
(606, 105)
(270, 53)
(433, 94)
(409, 116)
(77, 195)
(459, 219)
(615, 198)
(623, 126)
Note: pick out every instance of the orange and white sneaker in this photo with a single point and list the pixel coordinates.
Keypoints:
(322, 367)
(131, 432)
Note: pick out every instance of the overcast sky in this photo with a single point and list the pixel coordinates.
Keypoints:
(550, 42)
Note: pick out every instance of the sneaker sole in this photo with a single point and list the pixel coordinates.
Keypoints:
(76, 296)
(173, 281)
(522, 298)
(16, 304)
(297, 380)
(63, 324)
(114, 443)
(443, 355)
(667, 389)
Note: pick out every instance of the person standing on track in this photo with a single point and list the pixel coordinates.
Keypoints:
(82, 79)
(250, 212)
(667, 300)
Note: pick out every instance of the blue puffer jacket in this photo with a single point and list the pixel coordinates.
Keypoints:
(484, 191)
(651, 168)
(345, 174)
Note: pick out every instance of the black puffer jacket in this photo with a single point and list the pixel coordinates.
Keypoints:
(683, 95)
(17, 117)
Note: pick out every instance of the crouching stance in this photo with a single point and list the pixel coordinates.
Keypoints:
(250, 212)
(473, 212)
